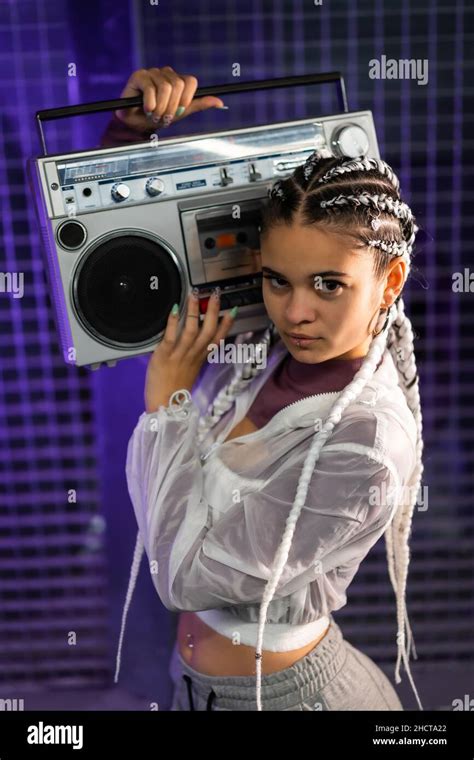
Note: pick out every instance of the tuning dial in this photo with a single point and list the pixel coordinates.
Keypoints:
(120, 191)
(351, 141)
(154, 186)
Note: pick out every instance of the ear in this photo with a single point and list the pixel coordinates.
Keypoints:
(395, 279)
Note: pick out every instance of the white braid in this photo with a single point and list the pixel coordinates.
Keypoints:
(137, 558)
(276, 190)
(314, 159)
(401, 347)
(363, 164)
(396, 249)
(382, 202)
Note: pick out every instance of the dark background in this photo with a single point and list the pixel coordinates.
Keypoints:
(64, 566)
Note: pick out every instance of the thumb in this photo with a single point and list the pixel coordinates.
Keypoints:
(202, 104)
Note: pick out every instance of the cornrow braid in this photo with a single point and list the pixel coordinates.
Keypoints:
(312, 160)
(362, 164)
(380, 202)
(398, 249)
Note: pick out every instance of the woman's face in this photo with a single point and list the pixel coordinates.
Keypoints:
(314, 284)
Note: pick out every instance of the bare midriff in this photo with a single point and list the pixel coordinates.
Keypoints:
(216, 655)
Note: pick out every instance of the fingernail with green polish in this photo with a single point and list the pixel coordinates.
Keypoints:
(175, 309)
(221, 108)
(234, 311)
(181, 109)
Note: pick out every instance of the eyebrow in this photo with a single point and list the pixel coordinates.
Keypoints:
(331, 272)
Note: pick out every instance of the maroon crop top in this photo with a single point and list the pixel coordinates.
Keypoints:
(293, 380)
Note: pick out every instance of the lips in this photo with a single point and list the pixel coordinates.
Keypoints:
(307, 337)
(301, 342)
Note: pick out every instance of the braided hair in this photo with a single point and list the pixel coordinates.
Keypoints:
(360, 197)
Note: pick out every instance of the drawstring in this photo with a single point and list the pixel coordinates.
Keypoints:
(190, 693)
(210, 698)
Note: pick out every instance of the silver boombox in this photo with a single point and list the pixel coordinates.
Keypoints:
(127, 231)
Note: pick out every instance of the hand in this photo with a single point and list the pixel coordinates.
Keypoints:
(164, 90)
(177, 360)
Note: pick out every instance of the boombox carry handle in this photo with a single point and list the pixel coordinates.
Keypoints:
(219, 89)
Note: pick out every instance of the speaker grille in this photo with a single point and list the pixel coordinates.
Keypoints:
(125, 288)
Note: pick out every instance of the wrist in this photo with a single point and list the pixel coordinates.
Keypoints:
(153, 406)
(180, 400)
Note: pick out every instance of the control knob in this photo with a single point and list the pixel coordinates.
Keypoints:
(351, 141)
(120, 191)
(154, 186)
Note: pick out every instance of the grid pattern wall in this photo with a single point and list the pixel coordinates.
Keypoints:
(53, 615)
(423, 132)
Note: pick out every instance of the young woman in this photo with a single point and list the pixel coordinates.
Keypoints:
(259, 488)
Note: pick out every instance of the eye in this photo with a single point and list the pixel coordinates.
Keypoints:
(331, 291)
(270, 278)
(331, 282)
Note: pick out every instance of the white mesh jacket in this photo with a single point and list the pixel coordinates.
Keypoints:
(211, 525)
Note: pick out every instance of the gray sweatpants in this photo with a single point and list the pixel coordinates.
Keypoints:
(332, 676)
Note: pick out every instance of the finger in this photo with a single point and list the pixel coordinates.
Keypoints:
(163, 90)
(149, 98)
(139, 82)
(226, 323)
(187, 95)
(142, 81)
(188, 337)
(178, 85)
(136, 83)
(171, 331)
(209, 325)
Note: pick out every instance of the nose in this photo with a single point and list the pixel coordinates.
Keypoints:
(299, 309)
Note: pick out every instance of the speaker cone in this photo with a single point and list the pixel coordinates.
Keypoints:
(125, 288)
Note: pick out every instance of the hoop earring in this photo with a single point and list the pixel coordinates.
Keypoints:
(374, 334)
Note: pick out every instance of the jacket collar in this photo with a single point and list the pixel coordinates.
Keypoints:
(383, 384)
